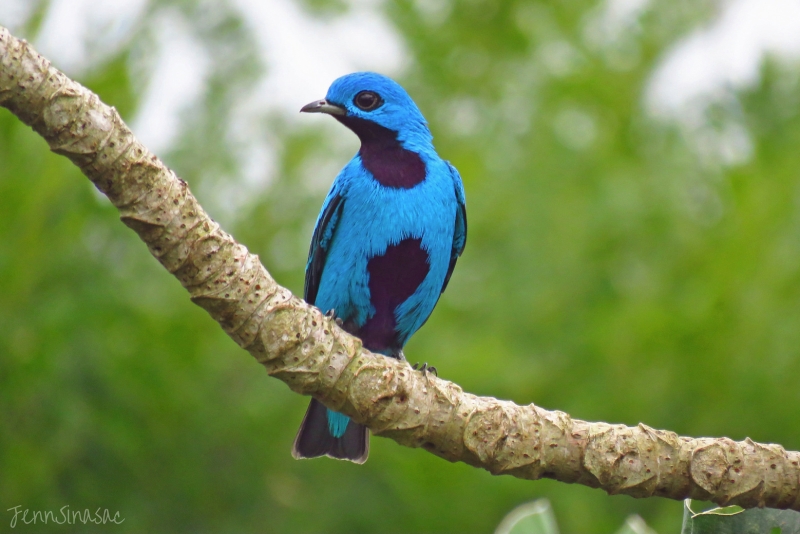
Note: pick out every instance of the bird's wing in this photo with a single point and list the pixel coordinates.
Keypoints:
(460, 232)
(320, 242)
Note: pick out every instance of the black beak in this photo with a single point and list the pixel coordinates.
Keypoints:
(323, 106)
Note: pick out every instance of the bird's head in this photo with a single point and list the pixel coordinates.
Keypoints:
(375, 108)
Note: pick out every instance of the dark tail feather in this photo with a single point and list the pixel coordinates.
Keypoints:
(315, 439)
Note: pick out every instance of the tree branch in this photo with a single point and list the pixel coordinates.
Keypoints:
(297, 344)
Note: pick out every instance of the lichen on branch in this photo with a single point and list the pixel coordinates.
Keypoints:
(297, 344)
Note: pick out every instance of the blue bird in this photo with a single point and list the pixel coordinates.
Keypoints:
(386, 241)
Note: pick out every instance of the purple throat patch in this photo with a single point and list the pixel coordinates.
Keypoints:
(384, 156)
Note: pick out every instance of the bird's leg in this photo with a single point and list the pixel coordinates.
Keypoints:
(425, 368)
(400, 356)
(331, 314)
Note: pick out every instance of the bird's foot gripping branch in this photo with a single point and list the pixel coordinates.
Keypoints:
(298, 345)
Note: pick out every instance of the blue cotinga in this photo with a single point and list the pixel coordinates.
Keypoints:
(386, 241)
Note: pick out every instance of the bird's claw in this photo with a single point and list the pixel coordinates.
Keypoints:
(331, 314)
(425, 368)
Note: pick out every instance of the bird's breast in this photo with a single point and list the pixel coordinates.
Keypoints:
(389, 256)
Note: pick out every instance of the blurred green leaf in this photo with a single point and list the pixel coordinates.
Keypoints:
(736, 520)
(635, 525)
(530, 518)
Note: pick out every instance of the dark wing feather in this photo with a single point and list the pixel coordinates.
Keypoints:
(318, 251)
(460, 233)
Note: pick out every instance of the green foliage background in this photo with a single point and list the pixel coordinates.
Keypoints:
(624, 280)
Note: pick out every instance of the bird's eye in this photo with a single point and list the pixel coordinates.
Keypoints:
(367, 100)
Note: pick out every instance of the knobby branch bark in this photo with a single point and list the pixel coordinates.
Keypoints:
(297, 344)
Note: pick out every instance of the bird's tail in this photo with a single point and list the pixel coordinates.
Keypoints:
(327, 433)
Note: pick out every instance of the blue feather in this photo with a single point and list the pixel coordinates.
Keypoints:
(337, 423)
(392, 226)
